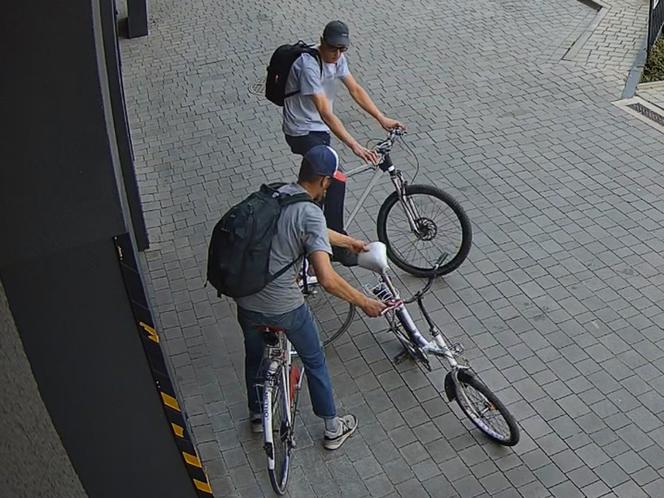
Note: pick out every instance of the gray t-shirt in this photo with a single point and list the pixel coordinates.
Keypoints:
(301, 227)
(300, 113)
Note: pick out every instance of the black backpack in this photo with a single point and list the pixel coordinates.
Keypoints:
(280, 65)
(239, 251)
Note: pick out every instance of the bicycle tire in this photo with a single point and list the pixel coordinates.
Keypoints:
(332, 315)
(457, 250)
(470, 382)
(276, 429)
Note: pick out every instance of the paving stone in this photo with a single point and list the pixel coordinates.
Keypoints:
(558, 303)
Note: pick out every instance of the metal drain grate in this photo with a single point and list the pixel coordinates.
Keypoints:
(258, 88)
(647, 112)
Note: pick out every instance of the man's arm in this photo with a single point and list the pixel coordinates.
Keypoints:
(340, 240)
(334, 284)
(325, 110)
(362, 98)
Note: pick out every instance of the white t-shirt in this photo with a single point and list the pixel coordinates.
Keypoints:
(300, 113)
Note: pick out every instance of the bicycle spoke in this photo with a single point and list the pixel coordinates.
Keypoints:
(484, 413)
(435, 215)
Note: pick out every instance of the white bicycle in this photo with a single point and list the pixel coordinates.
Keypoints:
(462, 384)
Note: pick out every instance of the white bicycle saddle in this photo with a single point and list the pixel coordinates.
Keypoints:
(375, 259)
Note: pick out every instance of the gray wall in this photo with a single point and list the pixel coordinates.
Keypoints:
(62, 200)
(34, 463)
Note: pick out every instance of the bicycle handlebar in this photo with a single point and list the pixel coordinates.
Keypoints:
(386, 145)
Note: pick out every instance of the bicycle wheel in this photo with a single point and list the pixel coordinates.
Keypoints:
(333, 315)
(443, 227)
(277, 433)
(485, 410)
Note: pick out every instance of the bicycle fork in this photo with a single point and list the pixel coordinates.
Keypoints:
(406, 202)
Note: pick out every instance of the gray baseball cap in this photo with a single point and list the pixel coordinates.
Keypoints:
(336, 34)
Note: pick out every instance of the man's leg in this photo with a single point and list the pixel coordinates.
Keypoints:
(304, 336)
(253, 348)
(335, 197)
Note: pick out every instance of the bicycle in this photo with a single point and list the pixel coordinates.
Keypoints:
(334, 315)
(462, 384)
(281, 384)
(410, 215)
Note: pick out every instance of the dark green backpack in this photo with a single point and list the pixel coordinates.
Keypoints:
(239, 252)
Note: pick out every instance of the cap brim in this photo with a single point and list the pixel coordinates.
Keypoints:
(340, 176)
(338, 41)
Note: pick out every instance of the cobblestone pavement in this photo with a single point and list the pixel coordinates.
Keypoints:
(611, 41)
(560, 303)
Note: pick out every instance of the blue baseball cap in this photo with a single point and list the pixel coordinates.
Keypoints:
(324, 161)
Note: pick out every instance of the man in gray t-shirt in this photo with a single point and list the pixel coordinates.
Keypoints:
(301, 231)
(308, 115)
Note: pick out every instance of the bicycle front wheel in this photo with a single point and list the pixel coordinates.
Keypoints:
(441, 226)
(485, 410)
(277, 433)
(333, 315)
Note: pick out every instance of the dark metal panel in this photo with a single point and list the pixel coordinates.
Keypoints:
(57, 182)
(121, 122)
(80, 337)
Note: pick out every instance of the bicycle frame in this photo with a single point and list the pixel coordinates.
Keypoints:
(385, 166)
(280, 359)
(437, 345)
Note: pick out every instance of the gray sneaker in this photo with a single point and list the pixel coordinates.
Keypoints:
(347, 425)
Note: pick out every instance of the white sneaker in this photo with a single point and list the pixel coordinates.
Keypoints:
(347, 425)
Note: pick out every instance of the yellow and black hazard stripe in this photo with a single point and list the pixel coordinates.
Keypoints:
(150, 340)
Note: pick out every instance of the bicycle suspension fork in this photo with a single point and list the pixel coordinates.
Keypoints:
(400, 186)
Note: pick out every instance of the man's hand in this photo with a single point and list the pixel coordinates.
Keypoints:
(357, 246)
(372, 307)
(389, 124)
(368, 155)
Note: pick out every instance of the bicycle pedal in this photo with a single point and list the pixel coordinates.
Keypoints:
(457, 348)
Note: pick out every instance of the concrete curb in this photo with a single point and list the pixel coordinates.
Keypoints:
(578, 44)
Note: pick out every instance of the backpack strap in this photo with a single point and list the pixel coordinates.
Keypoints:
(313, 51)
(287, 200)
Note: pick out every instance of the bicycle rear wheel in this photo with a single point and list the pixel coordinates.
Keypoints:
(485, 410)
(333, 315)
(277, 433)
(442, 227)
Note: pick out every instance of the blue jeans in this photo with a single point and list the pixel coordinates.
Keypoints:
(336, 194)
(303, 334)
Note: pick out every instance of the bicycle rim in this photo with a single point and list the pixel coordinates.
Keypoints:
(485, 411)
(442, 227)
(280, 430)
(332, 314)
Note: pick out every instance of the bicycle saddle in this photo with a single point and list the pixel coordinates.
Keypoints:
(268, 329)
(375, 258)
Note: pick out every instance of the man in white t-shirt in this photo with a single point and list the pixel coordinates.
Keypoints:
(308, 115)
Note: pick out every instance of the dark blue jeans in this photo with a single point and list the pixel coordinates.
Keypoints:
(303, 334)
(336, 194)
